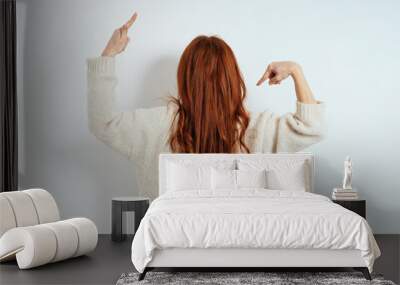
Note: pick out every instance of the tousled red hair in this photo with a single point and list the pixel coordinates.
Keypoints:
(210, 116)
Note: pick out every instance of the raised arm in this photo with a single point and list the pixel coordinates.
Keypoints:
(298, 130)
(119, 39)
(114, 128)
(280, 70)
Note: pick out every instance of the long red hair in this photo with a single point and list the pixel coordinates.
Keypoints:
(210, 116)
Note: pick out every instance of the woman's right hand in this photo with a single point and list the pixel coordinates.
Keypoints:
(119, 39)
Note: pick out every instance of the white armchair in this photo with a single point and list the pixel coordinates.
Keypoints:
(31, 230)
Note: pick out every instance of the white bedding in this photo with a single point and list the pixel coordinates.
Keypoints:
(251, 218)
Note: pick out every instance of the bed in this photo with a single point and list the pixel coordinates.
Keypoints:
(243, 211)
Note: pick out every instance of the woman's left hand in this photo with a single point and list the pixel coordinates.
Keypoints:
(278, 71)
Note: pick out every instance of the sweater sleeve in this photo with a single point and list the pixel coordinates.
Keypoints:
(295, 132)
(114, 128)
(291, 132)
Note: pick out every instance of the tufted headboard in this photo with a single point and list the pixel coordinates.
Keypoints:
(231, 161)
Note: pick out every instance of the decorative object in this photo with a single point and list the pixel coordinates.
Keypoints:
(249, 278)
(345, 195)
(348, 169)
(357, 206)
(346, 192)
(32, 233)
(139, 205)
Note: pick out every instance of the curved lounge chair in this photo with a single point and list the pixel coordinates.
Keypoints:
(32, 233)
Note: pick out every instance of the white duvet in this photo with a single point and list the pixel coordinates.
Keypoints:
(251, 218)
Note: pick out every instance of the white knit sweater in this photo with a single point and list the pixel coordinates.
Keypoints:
(142, 135)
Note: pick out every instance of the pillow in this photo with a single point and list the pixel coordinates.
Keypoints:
(293, 179)
(223, 179)
(236, 179)
(251, 178)
(187, 177)
(282, 174)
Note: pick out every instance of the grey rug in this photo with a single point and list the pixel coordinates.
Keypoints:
(269, 278)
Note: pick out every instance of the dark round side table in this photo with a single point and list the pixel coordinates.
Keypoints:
(139, 205)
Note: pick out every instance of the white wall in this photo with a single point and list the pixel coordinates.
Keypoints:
(349, 51)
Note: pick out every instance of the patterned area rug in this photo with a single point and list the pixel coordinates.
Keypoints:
(269, 278)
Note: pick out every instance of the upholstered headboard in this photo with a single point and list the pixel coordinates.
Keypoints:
(232, 160)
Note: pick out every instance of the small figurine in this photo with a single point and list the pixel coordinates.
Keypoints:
(348, 168)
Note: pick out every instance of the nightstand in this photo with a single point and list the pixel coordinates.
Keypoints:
(357, 206)
(139, 205)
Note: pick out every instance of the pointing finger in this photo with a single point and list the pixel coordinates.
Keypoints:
(266, 75)
(261, 80)
(130, 22)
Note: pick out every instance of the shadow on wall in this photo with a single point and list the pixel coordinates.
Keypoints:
(327, 176)
(159, 82)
